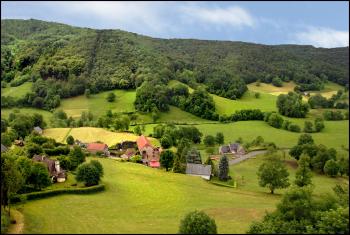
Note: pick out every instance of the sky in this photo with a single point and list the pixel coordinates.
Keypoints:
(321, 24)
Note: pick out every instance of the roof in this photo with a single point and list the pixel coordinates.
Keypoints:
(234, 146)
(48, 162)
(97, 146)
(37, 128)
(142, 141)
(3, 148)
(154, 163)
(224, 149)
(198, 169)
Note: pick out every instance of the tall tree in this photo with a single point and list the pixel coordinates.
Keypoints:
(273, 174)
(167, 159)
(223, 169)
(303, 174)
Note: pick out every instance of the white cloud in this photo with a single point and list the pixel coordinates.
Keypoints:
(232, 16)
(323, 37)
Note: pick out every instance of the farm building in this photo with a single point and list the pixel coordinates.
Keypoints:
(38, 130)
(128, 153)
(234, 148)
(3, 148)
(98, 148)
(56, 173)
(80, 144)
(201, 170)
(150, 155)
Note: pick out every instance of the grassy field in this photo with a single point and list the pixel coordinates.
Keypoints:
(247, 169)
(98, 104)
(30, 111)
(92, 134)
(18, 91)
(139, 199)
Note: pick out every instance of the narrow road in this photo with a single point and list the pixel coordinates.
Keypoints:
(246, 156)
(250, 155)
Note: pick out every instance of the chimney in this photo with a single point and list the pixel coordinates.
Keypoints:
(57, 166)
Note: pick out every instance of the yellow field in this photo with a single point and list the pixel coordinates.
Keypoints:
(92, 134)
(271, 89)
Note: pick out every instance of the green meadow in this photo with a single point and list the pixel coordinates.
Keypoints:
(98, 104)
(18, 91)
(139, 199)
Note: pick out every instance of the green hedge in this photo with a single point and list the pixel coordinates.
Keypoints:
(44, 194)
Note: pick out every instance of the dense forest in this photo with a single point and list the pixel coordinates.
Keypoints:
(64, 61)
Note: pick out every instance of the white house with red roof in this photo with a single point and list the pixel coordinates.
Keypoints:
(98, 147)
(150, 155)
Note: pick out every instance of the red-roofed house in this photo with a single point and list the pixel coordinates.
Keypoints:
(149, 154)
(98, 147)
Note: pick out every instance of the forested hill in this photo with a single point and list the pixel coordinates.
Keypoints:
(75, 59)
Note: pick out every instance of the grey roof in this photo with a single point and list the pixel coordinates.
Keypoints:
(224, 149)
(3, 148)
(234, 146)
(198, 169)
(37, 128)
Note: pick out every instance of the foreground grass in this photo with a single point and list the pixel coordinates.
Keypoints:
(18, 91)
(139, 199)
(144, 200)
(92, 134)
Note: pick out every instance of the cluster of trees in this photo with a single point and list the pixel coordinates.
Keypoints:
(291, 105)
(322, 159)
(318, 101)
(115, 121)
(245, 115)
(90, 173)
(210, 140)
(299, 212)
(335, 115)
(20, 126)
(172, 135)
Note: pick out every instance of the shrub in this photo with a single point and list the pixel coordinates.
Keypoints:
(98, 166)
(308, 127)
(167, 159)
(70, 140)
(197, 222)
(276, 81)
(247, 114)
(88, 174)
(319, 124)
(136, 159)
(275, 120)
(166, 141)
(331, 168)
(209, 140)
(110, 97)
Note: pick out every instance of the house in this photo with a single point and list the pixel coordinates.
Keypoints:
(150, 155)
(234, 147)
(128, 153)
(56, 173)
(98, 148)
(240, 150)
(38, 130)
(224, 149)
(3, 148)
(201, 170)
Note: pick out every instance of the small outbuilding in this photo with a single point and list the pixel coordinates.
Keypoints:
(201, 170)
(56, 173)
(38, 130)
(98, 147)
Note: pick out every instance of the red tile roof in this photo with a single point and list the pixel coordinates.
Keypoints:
(154, 163)
(142, 141)
(96, 146)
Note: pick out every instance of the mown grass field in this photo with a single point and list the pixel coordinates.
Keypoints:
(335, 134)
(98, 104)
(139, 199)
(18, 91)
(27, 111)
(92, 134)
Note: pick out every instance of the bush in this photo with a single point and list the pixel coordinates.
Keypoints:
(88, 174)
(331, 168)
(294, 128)
(275, 120)
(209, 140)
(60, 150)
(70, 140)
(308, 127)
(166, 141)
(98, 166)
(136, 159)
(197, 222)
(111, 97)
(247, 114)
(333, 115)
(276, 81)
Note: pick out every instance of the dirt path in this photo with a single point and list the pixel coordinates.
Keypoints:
(246, 156)
(16, 228)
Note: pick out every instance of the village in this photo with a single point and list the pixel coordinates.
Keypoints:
(126, 150)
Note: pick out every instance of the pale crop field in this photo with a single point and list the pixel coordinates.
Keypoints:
(92, 134)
